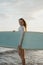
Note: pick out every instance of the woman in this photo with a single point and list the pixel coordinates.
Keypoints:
(22, 29)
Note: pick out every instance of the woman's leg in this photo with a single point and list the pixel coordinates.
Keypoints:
(22, 55)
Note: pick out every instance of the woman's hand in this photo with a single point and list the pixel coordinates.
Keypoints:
(19, 46)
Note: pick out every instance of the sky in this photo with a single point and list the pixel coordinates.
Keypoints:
(30, 10)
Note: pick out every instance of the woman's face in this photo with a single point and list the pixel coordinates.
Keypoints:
(21, 22)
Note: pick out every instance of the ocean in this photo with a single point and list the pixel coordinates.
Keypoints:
(9, 56)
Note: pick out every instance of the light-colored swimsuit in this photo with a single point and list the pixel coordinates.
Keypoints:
(21, 30)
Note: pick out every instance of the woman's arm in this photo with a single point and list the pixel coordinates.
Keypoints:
(21, 37)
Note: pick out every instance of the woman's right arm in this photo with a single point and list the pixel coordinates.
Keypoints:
(21, 37)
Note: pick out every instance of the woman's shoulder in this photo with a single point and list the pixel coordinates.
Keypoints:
(21, 28)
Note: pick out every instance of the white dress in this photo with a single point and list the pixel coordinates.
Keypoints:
(21, 30)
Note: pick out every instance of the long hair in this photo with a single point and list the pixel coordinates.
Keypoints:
(25, 25)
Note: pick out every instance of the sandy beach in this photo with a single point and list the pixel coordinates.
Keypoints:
(11, 57)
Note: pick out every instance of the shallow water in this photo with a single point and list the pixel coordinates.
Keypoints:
(10, 57)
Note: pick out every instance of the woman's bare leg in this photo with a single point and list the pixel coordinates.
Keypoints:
(23, 57)
(21, 54)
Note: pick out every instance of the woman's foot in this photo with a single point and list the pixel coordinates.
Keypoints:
(23, 62)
